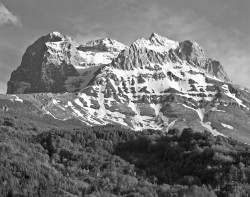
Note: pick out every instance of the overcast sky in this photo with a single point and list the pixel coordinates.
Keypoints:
(221, 27)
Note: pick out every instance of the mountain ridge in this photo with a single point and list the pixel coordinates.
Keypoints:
(154, 83)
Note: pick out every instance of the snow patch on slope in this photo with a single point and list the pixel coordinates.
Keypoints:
(96, 58)
(80, 82)
(233, 96)
(227, 126)
(209, 127)
(201, 113)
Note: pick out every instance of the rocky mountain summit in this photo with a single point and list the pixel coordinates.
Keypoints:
(55, 62)
(154, 83)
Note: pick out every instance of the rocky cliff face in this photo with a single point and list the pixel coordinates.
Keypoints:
(194, 55)
(155, 83)
(55, 63)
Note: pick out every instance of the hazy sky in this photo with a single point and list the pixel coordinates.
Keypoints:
(221, 27)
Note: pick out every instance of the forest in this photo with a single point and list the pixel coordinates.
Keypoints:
(37, 160)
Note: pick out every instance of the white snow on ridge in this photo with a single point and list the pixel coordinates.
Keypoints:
(56, 33)
(94, 56)
(108, 43)
(165, 46)
(54, 45)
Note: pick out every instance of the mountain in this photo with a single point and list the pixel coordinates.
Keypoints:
(55, 63)
(154, 83)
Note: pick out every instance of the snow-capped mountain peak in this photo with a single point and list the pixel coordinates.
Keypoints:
(57, 63)
(57, 37)
(156, 43)
(154, 83)
(157, 39)
(107, 44)
(56, 33)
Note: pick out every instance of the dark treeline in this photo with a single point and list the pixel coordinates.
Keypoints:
(109, 160)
